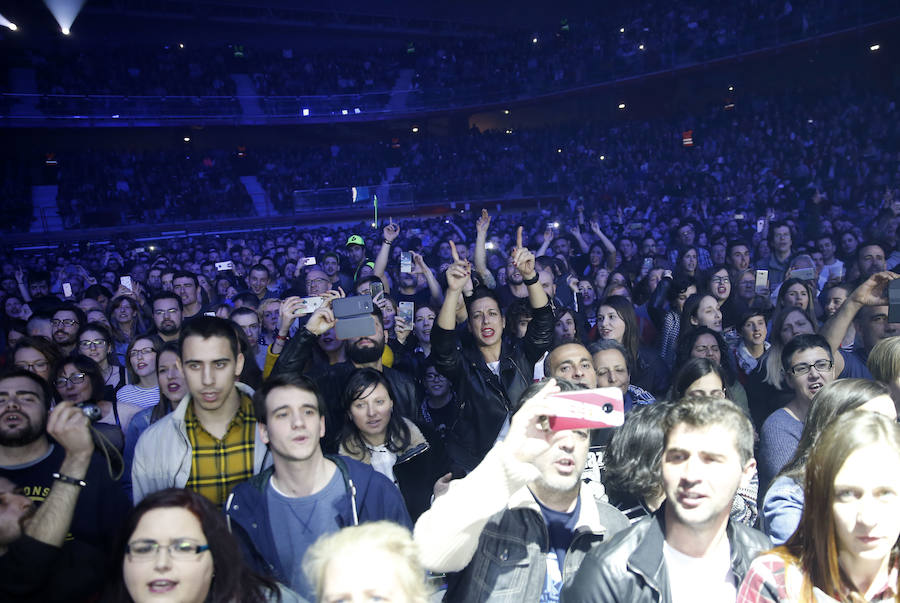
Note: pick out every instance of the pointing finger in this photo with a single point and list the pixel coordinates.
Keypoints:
(519, 237)
(453, 251)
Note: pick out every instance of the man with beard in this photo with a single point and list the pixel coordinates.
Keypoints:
(362, 352)
(186, 285)
(521, 521)
(35, 462)
(33, 539)
(167, 311)
(689, 549)
(65, 323)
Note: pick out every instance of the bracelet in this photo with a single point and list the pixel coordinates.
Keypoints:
(386, 242)
(69, 480)
(532, 280)
(281, 338)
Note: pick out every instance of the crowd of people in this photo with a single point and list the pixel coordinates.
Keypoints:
(315, 379)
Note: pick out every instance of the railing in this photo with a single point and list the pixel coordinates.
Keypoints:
(588, 70)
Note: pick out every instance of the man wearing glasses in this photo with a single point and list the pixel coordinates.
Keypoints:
(808, 366)
(43, 456)
(168, 313)
(64, 325)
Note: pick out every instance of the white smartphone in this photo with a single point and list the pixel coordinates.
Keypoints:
(126, 282)
(67, 290)
(308, 305)
(762, 282)
(220, 266)
(309, 261)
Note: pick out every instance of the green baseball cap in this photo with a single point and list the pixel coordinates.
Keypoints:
(355, 240)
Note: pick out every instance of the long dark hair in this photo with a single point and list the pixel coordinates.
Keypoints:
(625, 310)
(164, 406)
(690, 371)
(685, 346)
(91, 370)
(232, 580)
(361, 382)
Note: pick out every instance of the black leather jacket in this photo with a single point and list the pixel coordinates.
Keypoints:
(631, 568)
(331, 381)
(485, 399)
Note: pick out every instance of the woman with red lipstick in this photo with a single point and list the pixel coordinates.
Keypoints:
(846, 546)
(410, 456)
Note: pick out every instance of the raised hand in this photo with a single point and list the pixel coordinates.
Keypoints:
(391, 231)
(321, 320)
(522, 258)
(458, 272)
(528, 438)
(419, 265)
(402, 329)
(287, 314)
(68, 425)
(873, 291)
(483, 222)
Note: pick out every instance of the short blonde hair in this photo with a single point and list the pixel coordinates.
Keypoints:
(884, 360)
(379, 537)
(265, 304)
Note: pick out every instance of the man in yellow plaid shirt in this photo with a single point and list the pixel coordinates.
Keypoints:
(209, 443)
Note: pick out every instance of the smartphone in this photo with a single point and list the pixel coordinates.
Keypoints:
(309, 261)
(356, 326)
(804, 274)
(220, 266)
(67, 290)
(738, 216)
(760, 225)
(406, 310)
(126, 282)
(209, 314)
(375, 288)
(648, 263)
(405, 261)
(894, 301)
(347, 307)
(762, 282)
(586, 409)
(308, 305)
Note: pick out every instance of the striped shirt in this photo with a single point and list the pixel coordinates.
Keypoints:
(218, 465)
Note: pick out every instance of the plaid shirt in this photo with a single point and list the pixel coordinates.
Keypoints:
(769, 580)
(217, 466)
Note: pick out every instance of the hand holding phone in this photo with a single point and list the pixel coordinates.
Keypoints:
(125, 281)
(762, 282)
(586, 409)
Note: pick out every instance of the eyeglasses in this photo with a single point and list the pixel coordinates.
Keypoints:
(180, 548)
(164, 312)
(434, 377)
(31, 366)
(821, 366)
(74, 379)
(141, 352)
(720, 280)
(69, 322)
(713, 393)
(91, 343)
(317, 281)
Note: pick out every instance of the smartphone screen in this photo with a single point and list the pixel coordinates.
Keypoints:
(406, 310)
(126, 282)
(405, 262)
(762, 282)
(375, 289)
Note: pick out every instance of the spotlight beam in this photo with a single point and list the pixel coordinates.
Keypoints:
(65, 12)
(8, 24)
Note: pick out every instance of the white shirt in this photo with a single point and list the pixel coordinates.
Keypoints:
(701, 579)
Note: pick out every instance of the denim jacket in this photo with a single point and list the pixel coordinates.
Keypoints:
(489, 532)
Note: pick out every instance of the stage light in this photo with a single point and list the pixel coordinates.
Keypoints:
(65, 12)
(534, 40)
(508, 131)
(7, 23)
(506, 112)
(731, 88)
(187, 138)
(640, 46)
(357, 111)
(344, 112)
(415, 129)
(622, 106)
(180, 45)
(602, 157)
(621, 30)
(559, 150)
(305, 112)
(875, 47)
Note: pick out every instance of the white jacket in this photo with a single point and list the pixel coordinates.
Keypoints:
(162, 458)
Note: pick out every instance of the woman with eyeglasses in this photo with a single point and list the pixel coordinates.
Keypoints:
(176, 546)
(269, 315)
(80, 381)
(847, 545)
(720, 287)
(143, 391)
(37, 355)
(95, 341)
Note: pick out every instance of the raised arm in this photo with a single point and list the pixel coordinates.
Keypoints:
(390, 232)
(297, 352)
(457, 274)
(582, 244)
(437, 296)
(524, 261)
(607, 245)
(69, 427)
(481, 230)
